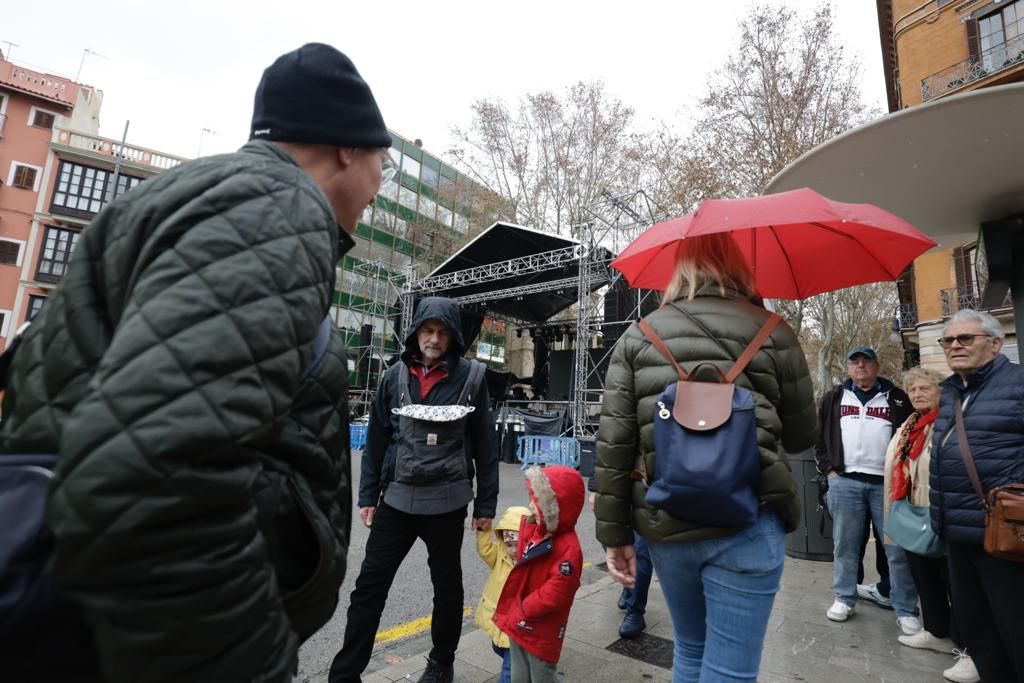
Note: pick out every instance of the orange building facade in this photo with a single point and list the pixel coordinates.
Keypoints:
(56, 173)
(932, 50)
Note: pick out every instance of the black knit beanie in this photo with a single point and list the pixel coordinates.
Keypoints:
(315, 95)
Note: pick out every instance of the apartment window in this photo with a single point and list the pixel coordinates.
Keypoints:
(35, 304)
(5, 321)
(84, 190)
(24, 176)
(10, 251)
(57, 247)
(1001, 36)
(40, 118)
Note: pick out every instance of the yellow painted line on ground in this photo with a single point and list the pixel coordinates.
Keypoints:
(410, 628)
(588, 565)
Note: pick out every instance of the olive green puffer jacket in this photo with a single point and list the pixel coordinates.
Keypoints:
(638, 373)
(201, 505)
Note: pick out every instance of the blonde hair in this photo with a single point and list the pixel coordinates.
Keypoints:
(923, 375)
(708, 260)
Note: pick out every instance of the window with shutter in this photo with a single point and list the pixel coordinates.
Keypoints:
(24, 177)
(9, 252)
(43, 119)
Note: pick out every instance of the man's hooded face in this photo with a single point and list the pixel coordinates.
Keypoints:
(434, 340)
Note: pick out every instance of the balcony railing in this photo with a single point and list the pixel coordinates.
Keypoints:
(992, 60)
(956, 298)
(113, 149)
(906, 315)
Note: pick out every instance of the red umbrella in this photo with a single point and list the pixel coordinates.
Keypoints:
(798, 243)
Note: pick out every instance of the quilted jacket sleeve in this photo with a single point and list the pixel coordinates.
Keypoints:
(156, 532)
(485, 455)
(618, 442)
(797, 410)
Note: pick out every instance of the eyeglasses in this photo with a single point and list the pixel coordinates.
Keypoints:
(961, 339)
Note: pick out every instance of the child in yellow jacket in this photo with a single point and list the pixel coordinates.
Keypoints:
(498, 549)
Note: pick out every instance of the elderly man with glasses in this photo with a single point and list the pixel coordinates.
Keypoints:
(987, 592)
(858, 419)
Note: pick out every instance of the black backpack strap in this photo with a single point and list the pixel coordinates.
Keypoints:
(320, 343)
(403, 385)
(473, 382)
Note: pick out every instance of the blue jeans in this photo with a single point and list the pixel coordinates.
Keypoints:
(720, 594)
(636, 597)
(506, 662)
(849, 500)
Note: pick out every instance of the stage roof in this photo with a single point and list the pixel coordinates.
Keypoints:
(501, 243)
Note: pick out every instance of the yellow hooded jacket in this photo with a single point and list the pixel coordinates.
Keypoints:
(491, 547)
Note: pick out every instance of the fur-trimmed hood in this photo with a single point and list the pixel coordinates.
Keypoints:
(558, 493)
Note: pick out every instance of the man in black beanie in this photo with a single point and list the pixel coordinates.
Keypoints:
(189, 380)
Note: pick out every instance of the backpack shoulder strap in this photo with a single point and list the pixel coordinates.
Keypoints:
(472, 385)
(755, 345)
(403, 384)
(649, 332)
(320, 343)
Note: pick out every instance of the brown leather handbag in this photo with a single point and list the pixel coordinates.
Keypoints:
(1004, 506)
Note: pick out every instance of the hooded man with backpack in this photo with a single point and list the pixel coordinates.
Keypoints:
(430, 432)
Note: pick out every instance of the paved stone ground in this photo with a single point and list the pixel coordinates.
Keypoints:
(801, 644)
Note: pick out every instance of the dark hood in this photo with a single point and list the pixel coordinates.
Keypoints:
(436, 308)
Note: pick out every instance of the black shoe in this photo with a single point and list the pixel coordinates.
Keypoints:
(437, 673)
(623, 596)
(633, 624)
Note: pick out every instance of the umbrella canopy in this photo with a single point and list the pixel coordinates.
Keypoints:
(798, 243)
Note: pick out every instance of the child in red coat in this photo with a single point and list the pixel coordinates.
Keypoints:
(534, 606)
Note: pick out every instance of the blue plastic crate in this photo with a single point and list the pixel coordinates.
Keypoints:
(548, 450)
(357, 437)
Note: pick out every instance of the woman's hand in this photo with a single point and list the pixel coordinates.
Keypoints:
(622, 564)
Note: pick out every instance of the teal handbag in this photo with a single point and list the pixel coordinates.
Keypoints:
(910, 527)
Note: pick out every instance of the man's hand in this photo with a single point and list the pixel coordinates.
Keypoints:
(366, 514)
(622, 564)
(833, 474)
(482, 523)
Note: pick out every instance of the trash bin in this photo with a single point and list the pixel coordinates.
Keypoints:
(812, 539)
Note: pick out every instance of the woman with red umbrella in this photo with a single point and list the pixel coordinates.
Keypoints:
(719, 582)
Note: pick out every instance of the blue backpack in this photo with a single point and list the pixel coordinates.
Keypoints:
(28, 596)
(707, 467)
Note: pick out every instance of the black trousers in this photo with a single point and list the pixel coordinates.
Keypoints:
(988, 605)
(931, 578)
(391, 537)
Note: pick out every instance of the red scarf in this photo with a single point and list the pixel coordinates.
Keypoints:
(914, 436)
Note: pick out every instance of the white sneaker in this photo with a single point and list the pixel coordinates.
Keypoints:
(923, 640)
(909, 625)
(963, 671)
(871, 594)
(839, 611)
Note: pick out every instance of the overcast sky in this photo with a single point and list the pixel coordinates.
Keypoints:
(175, 68)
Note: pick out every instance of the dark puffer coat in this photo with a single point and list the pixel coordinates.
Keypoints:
(638, 373)
(201, 505)
(994, 424)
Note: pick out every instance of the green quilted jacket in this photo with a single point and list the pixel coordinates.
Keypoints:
(201, 505)
(638, 373)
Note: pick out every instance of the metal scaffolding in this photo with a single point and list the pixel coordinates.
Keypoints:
(614, 222)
